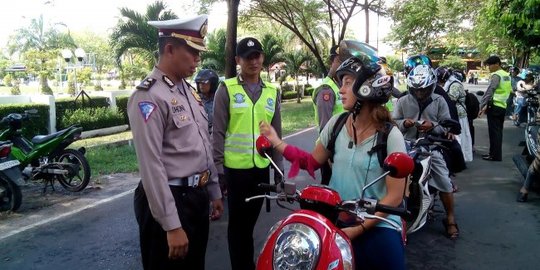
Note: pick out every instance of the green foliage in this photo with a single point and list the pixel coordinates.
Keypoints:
(96, 46)
(116, 159)
(37, 125)
(92, 118)
(289, 95)
(8, 79)
(394, 63)
(15, 89)
(297, 116)
(65, 104)
(273, 50)
(308, 90)
(121, 104)
(214, 58)
(133, 31)
(454, 62)
(71, 84)
(420, 24)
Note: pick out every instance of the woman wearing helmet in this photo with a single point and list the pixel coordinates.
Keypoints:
(417, 114)
(207, 82)
(364, 90)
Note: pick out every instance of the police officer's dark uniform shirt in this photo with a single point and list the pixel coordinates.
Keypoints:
(170, 133)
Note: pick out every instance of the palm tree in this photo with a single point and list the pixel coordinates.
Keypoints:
(133, 33)
(295, 62)
(39, 45)
(273, 50)
(214, 58)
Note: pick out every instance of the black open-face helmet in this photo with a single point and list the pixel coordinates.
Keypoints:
(207, 75)
(443, 74)
(370, 84)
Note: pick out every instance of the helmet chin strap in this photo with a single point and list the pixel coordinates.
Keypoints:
(356, 111)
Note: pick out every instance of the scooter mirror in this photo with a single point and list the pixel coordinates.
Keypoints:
(399, 165)
(264, 146)
(480, 93)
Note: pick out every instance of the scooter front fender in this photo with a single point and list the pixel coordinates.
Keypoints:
(329, 254)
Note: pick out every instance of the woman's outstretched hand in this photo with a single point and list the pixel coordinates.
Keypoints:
(269, 132)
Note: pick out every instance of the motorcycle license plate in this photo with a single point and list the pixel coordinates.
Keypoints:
(9, 164)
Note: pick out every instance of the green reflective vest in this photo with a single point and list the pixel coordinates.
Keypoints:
(390, 105)
(243, 129)
(503, 89)
(338, 106)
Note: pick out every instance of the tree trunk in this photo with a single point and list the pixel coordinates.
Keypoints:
(366, 10)
(45, 88)
(230, 47)
(298, 91)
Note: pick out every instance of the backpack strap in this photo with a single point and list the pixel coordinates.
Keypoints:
(340, 122)
(381, 144)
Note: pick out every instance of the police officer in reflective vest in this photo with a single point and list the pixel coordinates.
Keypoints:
(240, 104)
(494, 105)
(170, 134)
(326, 98)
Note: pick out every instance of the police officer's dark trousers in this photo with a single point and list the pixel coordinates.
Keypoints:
(193, 209)
(243, 183)
(495, 119)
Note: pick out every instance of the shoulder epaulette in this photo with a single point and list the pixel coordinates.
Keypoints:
(146, 84)
(168, 81)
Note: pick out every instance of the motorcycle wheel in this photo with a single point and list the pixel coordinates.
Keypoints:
(10, 195)
(531, 134)
(74, 182)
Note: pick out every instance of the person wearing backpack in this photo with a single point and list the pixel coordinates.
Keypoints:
(473, 108)
(364, 90)
(455, 90)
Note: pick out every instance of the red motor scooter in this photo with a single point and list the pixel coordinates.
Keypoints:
(308, 238)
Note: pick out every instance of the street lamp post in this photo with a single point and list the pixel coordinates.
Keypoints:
(80, 54)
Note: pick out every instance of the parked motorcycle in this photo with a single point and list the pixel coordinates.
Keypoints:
(45, 157)
(531, 128)
(308, 238)
(10, 179)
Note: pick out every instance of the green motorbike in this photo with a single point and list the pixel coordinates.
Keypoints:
(45, 157)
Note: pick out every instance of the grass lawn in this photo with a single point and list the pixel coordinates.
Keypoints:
(114, 159)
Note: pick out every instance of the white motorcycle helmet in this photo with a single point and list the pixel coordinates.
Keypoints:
(421, 82)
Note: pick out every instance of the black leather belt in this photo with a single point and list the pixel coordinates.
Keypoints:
(196, 180)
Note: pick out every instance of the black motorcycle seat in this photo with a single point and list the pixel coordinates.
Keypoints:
(43, 138)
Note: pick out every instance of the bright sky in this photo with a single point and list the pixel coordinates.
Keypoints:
(101, 15)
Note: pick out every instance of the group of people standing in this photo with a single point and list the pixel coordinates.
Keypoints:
(191, 149)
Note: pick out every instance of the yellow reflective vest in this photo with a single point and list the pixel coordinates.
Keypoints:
(243, 130)
(338, 106)
(503, 89)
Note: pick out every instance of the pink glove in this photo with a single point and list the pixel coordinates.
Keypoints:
(300, 159)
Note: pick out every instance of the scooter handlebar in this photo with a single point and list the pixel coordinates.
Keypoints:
(402, 212)
(268, 187)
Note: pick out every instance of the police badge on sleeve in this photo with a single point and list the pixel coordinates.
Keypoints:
(147, 108)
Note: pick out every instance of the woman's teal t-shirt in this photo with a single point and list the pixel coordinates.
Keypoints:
(353, 168)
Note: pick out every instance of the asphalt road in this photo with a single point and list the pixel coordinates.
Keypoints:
(496, 231)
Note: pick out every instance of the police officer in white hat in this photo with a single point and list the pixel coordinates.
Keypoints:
(170, 133)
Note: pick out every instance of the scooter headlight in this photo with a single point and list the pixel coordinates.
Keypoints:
(297, 247)
(346, 252)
